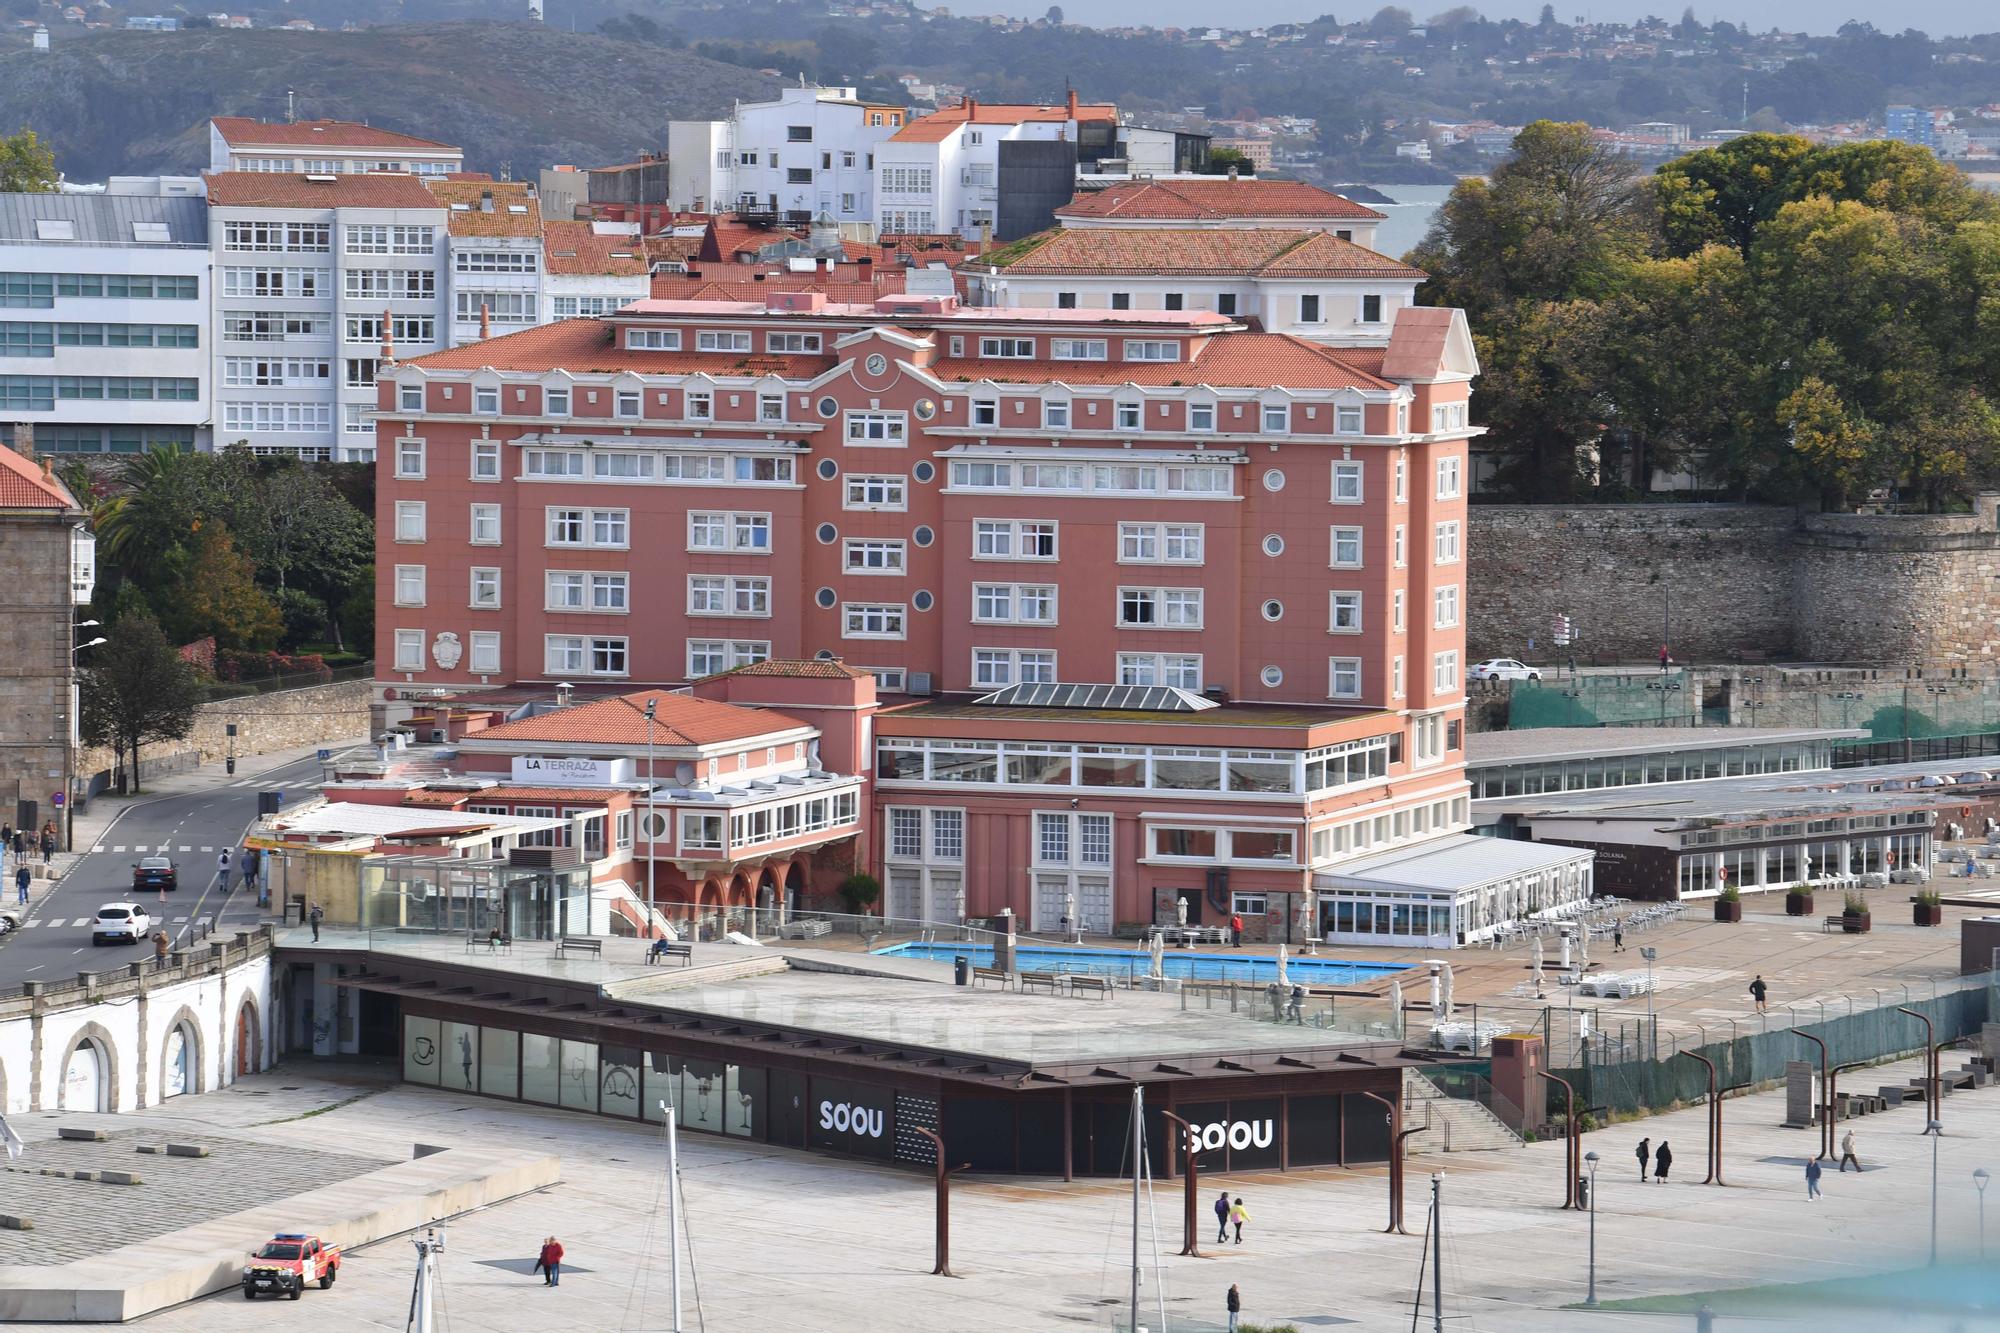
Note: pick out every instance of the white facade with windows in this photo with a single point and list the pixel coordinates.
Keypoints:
(104, 329)
(811, 151)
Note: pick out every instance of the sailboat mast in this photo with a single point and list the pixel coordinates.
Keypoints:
(1138, 1131)
(1437, 1252)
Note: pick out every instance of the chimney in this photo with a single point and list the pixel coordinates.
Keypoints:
(1232, 171)
(485, 321)
(486, 201)
(1072, 104)
(388, 342)
(971, 107)
(985, 236)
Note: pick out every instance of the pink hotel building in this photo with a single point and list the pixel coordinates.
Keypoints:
(1250, 545)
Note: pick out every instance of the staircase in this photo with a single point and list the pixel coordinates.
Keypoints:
(1449, 1124)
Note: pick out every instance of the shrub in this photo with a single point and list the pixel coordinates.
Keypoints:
(860, 892)
(1929, 898)
(1731, 894)
(1855, 905)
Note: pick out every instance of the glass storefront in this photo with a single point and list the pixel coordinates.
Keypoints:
(442, 896)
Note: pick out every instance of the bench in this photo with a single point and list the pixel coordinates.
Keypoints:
(980, 974)
(505, 944)
(662, 949)
(589, 944)
(1047, 981)
(1832, 923)
(1101, 986)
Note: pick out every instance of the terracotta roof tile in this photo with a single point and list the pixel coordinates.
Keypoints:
(679, 719)
(502, 221)
(1214, 201)
(1206, 251)
(586, 346)
(1417, 341)
(597, 795)
(267, 189)
(23, 485)
(248, 132)
(441, 800)
(1238, 360)
(573, 248)
(812, 669)
(941, 125)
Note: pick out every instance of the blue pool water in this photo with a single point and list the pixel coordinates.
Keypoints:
(1177, 963)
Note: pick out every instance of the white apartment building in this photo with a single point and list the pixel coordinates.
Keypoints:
(592, 268)
(324, 147)
(494, 247)
(811, 151)
(1003, 166)
(306, 268)
(103, 315)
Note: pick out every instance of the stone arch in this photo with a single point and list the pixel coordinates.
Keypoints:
(247, 1040)
(96, 1035)
(740, 889)
(197, 1065)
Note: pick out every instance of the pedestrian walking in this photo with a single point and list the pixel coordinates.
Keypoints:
(1236, 931)
(317, 915)
(21, 878)
(20, 844)
(1235, 1304)
(48, 841)
(1812, 1179)
(1666, 658)
(1644, 1152)
(222, 869)
(1847, 1153)
(1222, 1218)
(1758, 990)
(552, 1257)
(1238, 1215)
(1618, 937)
(6, 835)
(1663, 1157)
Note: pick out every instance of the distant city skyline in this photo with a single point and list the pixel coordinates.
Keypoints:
(1939, 18)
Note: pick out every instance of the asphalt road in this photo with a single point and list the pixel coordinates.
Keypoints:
(54, 942)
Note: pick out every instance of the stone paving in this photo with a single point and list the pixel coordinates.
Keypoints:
(74, 1219)
(786, 1240)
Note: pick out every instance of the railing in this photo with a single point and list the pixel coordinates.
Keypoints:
(297, 680)
(1470, 1083)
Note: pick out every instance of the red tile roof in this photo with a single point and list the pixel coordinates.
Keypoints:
(1235, 360)
(1205, 251)
(941, 125)
(812, 669)
(573, 248)
(594, 795)
(248, 132)
(849, 283)
(267, 189)
(587, 346)
(1214, 201)
(25, 485)
(1417, 342)
(679, 719)
(476, 221)
(443, 800)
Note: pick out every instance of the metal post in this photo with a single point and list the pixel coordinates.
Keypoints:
(673, 1219)
(1714, 1124)
(1979, 1178)
(1437, 1252)
(1591, 1297)
(1936, 1130)
(1826, 1107)
(943, 1246)
(1931, 1107)
(652, 816)
(1396, 1136)
(1138, 1170)
(1572, 1161)
(1190, 1191)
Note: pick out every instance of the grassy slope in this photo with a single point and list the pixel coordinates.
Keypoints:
(511, 94)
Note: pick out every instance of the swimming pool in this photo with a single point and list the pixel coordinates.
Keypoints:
(1176, 963)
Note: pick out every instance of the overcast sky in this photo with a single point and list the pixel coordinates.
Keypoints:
(1937, 17)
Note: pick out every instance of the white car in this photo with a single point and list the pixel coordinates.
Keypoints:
(1503, 668)
(117, 923)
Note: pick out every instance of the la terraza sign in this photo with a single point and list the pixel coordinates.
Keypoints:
(569, 771)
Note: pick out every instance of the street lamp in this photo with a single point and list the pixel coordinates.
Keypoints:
(652, 819)
(73, 740)
(1649, 953)
(1936, 1130)
(1591, 1297)
(1979, 1178)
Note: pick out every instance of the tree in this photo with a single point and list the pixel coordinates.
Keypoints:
(844, 51)
(1221, 160)
(219, 595)
(27, 166)
(1054, 14)
(1391, 21)
(138, 691)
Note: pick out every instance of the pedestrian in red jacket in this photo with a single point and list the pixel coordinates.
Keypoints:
(551, 1262)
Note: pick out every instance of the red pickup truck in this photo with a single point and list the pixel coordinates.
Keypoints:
(286, 1262)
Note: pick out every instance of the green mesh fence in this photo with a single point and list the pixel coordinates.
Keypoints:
(1660, 698)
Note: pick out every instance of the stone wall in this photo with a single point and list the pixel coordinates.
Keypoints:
(1724, 583)
(1721, 575)
(280, 720)
(36, 609)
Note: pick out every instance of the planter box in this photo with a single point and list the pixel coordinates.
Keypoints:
(1927, 914)
(1726, 910)
(1856, 925)
(1798, 904)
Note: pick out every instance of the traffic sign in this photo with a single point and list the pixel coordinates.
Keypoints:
(56, 798)
(325, 755)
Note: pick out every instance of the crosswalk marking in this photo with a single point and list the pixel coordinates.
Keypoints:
(244, 783)
(184, 847)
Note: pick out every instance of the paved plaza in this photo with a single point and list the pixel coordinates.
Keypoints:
(782, 1239)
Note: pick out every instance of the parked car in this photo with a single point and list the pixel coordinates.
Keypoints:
(120, 923)
(286, 1262)
(154, 873)
(1503, 668)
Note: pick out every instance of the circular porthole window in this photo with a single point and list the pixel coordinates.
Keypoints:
(877, 364)
(1274, 545)
(828, 469)
(923, 536)
(1274, 610)
(823, 655)
(1272, 677)
(924, 471)
(923, 601)
(1274, 480)
(826, 597)
(828, 534)
(925, 409)
(829, 408)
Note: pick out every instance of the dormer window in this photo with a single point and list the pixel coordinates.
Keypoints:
(1152, 349)
(653, 340)
(722, 340)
